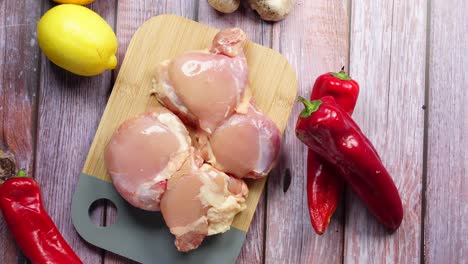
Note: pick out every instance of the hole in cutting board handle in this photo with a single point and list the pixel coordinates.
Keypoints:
(103, 213)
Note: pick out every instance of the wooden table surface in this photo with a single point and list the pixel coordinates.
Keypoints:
(410, 58)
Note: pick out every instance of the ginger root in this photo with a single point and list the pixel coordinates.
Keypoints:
(272, 10)
(225, 6)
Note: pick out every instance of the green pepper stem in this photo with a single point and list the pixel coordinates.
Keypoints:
(341, 75)
(309, 106)
(21, 173)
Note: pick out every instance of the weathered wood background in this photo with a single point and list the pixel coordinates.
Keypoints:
(409, 57)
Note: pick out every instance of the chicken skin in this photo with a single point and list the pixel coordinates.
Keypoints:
(201, 201)
(205, 87)
(143, 153)
(254, 151)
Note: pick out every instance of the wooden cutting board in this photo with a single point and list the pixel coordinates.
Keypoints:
(141, 235)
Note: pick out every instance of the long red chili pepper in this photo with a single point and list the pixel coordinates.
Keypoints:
(324, 187)
(331, 133)
(31, 226)
(324, 184)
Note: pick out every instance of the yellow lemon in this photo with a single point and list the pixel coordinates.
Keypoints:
(76, 2)
(77, 39)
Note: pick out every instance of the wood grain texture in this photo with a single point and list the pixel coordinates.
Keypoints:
(132, 14)
(19, 60)
(388, 60)
(69, 110)
(446, 226)
(314, 38)
(258, 32)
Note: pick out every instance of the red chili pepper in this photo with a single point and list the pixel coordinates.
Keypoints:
(324, 184)
(324, 187)
(31, 226)
(331, 133)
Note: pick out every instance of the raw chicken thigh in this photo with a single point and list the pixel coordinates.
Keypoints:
(204, 88)
(143, 153)
(151, 159)
(245, 145)
(201, 201)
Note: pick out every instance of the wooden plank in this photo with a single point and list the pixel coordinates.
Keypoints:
(314, 38)
(446, 227)
(388, 59)
(131, 14)
(19, 58)
(259, 32)
(70, 107)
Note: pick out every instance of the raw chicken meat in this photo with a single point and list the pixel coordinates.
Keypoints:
(245, 145)
(143, 153)
(201, 201)
(205, 87)
(153, 164)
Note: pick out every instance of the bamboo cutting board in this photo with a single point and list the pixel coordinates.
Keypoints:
(142, 235)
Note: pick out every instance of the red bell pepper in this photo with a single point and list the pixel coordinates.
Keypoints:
(331, 133)
(31, 226)
(324, 184)
(344, 90)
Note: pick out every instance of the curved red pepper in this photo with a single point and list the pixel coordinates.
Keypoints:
(324, 187)
(331, 133)
(324, 184)
(31, 226)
